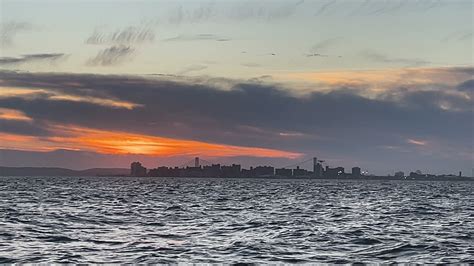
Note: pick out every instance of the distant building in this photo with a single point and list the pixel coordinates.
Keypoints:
(192, 171)
(259, 171)
(136, 169)
(230, 171)
(300, 172)
(334, 172)
(417, 175)
(283, 172)
(356, 171)
(400, 174)
(318, 170)
(212, 170)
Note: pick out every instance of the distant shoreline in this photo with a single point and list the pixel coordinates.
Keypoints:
(124, 172)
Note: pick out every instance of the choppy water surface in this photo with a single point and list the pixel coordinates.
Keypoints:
(158, 220)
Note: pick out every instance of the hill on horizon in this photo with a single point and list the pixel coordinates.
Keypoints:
(58, 171)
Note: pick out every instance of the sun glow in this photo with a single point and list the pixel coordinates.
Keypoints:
(112, 142)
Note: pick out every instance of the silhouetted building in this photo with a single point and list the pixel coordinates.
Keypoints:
(300, 172)
(230, 171)
(334, 172)
(400, 174)
(192, 171)
(160, 171)
(318, 170)
(356, 171)
(136, 169)
(212, 170)
(259, 171)
(283, 172)
(416, 175)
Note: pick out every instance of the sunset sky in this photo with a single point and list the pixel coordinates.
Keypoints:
(385, 85)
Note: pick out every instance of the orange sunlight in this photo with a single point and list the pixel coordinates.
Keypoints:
(110, 142)
(12, 114)
(380, 80)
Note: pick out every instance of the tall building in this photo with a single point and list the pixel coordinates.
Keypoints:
(356, 171)
(318, 170)
(315, 164)
(136, 169)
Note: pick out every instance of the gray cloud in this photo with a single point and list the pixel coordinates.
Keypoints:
(466, 35)
(375, 7)
(126, 36)
(23, 128)
(467, 87)
(9, 30)
(337, 123)
(382, 58)
(30, 58)
(324, 7)
(198, 37)
(236, 11)
(114, 55)
(192, 68)
(251, 65)
(325, 44)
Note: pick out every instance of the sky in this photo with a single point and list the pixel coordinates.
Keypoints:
(384, 85)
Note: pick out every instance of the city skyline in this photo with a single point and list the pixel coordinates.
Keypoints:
(384, 85)
(319, 170)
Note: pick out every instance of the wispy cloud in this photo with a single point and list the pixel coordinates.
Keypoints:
(9, 30)
(324, 7)
(197, 37)
(202, 13)
(192, 68)
(325, 44)
(235, 11)
(375, 8)
(126, 36)
(383, 58)
(251, 65)
(417, 142)
(30, 58)
(465, 35)
(111, 56)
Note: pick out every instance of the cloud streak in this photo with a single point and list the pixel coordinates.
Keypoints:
(32, 58)
(114, 55)
(197, 37)
(126, 36)
(382, 58)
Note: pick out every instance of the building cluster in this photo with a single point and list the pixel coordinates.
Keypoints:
(235, 170)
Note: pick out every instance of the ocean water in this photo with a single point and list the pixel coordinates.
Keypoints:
(159, 220)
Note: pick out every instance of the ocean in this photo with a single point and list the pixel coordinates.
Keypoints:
(199, 220)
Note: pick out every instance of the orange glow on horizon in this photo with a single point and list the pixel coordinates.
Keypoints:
(121, 143)
(382, 79)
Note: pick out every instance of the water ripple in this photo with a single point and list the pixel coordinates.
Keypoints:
(158, 220)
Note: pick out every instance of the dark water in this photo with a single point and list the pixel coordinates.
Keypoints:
(156, 220)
